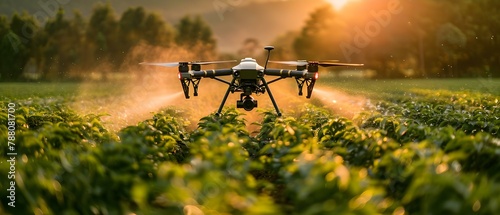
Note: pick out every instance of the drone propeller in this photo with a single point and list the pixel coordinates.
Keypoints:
(172, 64)
(324, 63)
(175, 64)
(213, 62)
(291, 63)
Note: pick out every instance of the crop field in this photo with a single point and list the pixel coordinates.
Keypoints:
(358, 147)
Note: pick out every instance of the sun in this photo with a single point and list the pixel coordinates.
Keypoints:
(338, 4)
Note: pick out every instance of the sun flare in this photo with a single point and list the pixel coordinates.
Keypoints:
(338, 4)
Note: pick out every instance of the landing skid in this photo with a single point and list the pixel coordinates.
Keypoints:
(230, 89)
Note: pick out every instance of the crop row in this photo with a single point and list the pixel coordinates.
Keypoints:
(392, 160)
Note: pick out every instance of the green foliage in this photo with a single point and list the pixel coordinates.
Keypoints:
(396, 159)
(470, 113)
(217, 178)
(319, 183)
(57, 155)
(162, 138)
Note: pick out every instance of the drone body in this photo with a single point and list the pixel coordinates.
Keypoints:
(248, 77)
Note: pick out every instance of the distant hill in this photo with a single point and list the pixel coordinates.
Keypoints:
(260, 19)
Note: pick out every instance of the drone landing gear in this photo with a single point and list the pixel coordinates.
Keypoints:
(185, 86)
(245, 102)
(271, 96)
(225, 98)
(309, 84)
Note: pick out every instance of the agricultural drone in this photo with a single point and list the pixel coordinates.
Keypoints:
(248, 77)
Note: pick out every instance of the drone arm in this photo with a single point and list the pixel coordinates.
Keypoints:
(222, 80)
(285, 73)
(302, 77)
(211, 73)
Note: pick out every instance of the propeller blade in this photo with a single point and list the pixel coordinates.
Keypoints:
(170, 64)
(339, 64)
(213, 62)
(175, 64)
(291, 63)
(328, 61)
(324, 63)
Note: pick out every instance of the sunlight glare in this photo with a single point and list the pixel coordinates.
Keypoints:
(338, 4)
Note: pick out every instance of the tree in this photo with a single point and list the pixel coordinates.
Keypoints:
(136, 26)
(64, 47)
(445, 38)
(59, 42)
(285, 46)
(320, 36)
(102, 34)
(131, 26)
(79, 51)
(4, 30)
(16, 45)
(25, 27)
(481, 29)
(13, 57)
(452, 42)
(195, 34)
(157, 32)
(4, 26)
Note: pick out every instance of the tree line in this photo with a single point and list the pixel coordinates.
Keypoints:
(401, 38)
(67, 48)
(393, 38)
